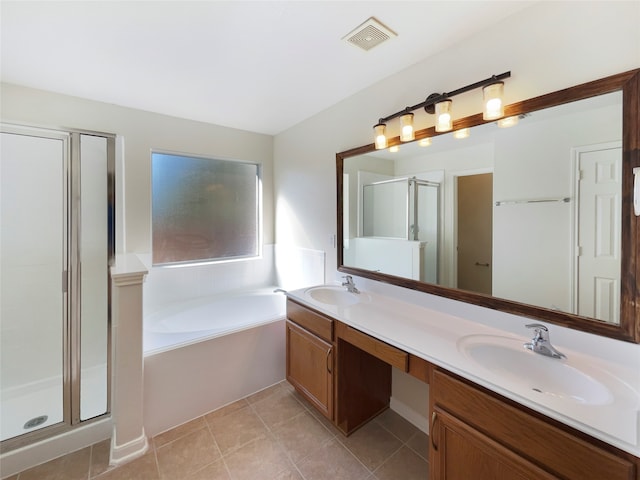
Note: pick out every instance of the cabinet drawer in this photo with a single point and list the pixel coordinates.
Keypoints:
(554, 449)
(383, 351)
(312, 321)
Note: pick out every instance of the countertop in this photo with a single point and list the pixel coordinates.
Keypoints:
(435, 336)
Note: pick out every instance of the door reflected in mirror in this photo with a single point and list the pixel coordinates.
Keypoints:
(530, 213)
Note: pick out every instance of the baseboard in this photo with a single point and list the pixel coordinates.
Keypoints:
(410, 415)
(121, 454)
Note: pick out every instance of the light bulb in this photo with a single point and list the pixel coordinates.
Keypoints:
(443, 116)
(462, 133)
(508, 122)
(379, 136)
(406, 127)
(493, 104)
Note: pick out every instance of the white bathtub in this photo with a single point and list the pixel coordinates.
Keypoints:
(189, 321)
(202, 354)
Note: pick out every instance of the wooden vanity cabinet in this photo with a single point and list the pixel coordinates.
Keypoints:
(363, 383)
(309, 364)
(344, 373)
(477, 434)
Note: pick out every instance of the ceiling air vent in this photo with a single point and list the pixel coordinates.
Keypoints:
(370, 34)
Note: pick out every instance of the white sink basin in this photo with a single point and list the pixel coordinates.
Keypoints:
(335, 295)
(506, 358)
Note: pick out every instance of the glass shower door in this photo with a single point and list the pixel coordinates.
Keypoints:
(93, 254)
(56, 240)
(33, 239)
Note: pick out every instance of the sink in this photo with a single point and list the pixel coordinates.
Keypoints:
(335, 295)
(506, 358)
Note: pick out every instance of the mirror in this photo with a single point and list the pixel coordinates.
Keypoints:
(534, 220)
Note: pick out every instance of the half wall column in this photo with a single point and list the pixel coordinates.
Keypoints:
(128, 440)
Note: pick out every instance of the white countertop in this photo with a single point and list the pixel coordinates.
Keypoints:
(435, 337)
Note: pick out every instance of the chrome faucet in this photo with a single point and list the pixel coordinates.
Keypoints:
(351, 287)
(541, 343)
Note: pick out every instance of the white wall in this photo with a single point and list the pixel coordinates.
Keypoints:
(550, 46)
(142, 132)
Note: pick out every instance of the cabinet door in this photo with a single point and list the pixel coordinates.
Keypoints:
(459, 452)
(521, 436)
(310, 367)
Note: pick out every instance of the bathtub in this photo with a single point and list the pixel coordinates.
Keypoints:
(204, 353)
(195, 320)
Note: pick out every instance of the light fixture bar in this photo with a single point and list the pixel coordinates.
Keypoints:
(439, 97)
(440, 104)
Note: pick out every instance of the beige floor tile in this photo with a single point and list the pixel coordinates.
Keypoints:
(397, 425)
(216, 471)
(227, 409)
(187, 455)
(262, 394)
(179, 431)
(419, 443)
(301, 436)
(263, 459)
(328, 424)
(144, 467)
(74, 466)
(290, 474)
(332, 462)
(237, 429)
(287, 386)
(100, 458)
(405, 464)
(273, 435)
(372, 445)
(278, 408)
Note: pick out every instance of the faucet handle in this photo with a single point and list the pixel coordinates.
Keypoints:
(541, 331)
(540, 342)
(537, 326)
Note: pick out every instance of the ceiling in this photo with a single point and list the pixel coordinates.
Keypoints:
(260, 66)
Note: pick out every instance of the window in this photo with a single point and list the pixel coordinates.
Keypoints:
(204, 209)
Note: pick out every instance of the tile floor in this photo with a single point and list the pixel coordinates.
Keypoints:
(271, 435)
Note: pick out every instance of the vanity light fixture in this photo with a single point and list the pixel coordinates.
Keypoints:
(440, 104)
(444, 122)
(406, 128)
(507, 122)
(381, 139)
(493, 104)
(462, 133)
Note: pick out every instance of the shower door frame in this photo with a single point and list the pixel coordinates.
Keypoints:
(71, 330)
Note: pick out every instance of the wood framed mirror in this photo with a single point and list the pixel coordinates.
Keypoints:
(546, 228)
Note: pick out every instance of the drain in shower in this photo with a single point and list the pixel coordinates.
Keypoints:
(34, 422)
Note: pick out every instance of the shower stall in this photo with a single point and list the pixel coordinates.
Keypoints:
(56, 243)
(406, 209)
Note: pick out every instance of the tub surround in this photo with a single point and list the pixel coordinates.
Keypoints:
(204, 353)
(434, 336)
(187, 382)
